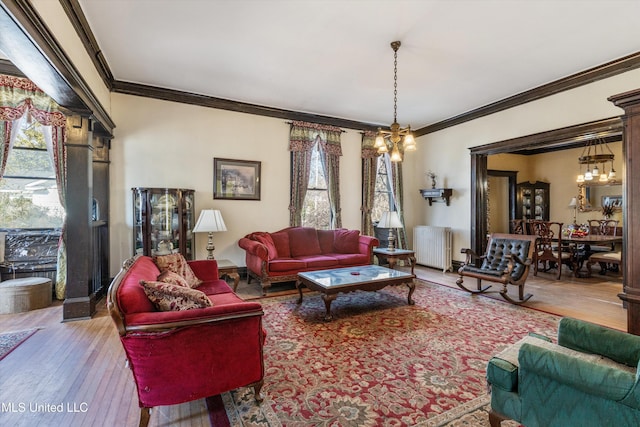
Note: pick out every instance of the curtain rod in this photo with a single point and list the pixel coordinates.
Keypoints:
(319, 124)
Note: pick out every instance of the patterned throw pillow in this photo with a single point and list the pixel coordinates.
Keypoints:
(177, 264)
(173, 278)
(169, 297)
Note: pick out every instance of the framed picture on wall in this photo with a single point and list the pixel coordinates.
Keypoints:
(236, 179)
(613, 201)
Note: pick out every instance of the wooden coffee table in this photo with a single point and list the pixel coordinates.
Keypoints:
(342, 280)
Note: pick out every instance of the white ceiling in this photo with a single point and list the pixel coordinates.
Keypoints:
(333, 57)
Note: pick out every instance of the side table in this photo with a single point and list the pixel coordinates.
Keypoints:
(230, 270)
(395, 255)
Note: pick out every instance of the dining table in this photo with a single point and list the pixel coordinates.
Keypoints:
(582, 245)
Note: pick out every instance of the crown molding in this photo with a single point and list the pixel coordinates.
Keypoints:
(610, 69)
(237, 106)
(557, 139)
(81, 25)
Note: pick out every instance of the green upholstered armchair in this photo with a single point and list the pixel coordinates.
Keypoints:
(590, 378)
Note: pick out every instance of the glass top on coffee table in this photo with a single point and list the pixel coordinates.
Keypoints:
(348, 279)
(348, 276)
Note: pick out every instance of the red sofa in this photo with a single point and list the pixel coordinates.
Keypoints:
(280, 256)
(180, 356)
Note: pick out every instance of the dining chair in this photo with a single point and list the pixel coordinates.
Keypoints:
(518, 226)
(604, 227)
(550, 251)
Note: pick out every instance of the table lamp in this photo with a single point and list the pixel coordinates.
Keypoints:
(390, 220)
(210, 221)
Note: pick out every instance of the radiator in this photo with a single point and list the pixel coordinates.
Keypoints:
(433, 246)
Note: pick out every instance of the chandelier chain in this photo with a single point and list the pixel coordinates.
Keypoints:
(395, 86)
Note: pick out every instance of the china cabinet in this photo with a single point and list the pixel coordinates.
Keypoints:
(163, 221)
(533, 200)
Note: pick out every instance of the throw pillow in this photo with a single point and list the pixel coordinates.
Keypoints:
(177, 264)
(170, 297)
(347, 241)
(173, 278)
(266, 240)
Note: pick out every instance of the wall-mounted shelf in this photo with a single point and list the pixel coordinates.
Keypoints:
(436, 194)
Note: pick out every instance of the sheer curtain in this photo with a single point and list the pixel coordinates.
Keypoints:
(302, 137)
(20, 99)
(395, 178)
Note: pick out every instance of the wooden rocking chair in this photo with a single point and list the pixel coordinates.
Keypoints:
(507, 261)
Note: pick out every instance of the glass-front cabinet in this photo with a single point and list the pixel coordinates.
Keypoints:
(163, 221)
(533, 200)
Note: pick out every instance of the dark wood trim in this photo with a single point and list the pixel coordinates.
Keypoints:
(479, 202)
(81, 25)
(630, 102)
(29, 44)
(562, 138)
(7, 68)
(225, 104)
(612, 68)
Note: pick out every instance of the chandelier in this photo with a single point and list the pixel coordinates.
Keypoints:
(594, 154)
(396, 139)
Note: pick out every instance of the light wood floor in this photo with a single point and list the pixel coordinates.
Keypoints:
(81, 364)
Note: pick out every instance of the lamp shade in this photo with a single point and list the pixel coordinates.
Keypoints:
(573, 203)
(390, 219)
(210, 221)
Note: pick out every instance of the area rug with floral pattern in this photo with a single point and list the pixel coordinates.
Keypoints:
(380, 361)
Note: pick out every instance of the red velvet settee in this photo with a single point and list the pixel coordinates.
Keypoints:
(180, 356)
(280, 256)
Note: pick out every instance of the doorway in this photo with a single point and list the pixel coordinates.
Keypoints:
(560, 139)
(501, 194)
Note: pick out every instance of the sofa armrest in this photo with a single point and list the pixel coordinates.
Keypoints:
(205, 269)
(366, 244)
(159, 321)
(254, 248)
(589, 376)
(590, 338)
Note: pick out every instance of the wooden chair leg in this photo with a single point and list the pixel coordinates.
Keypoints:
(145, 415)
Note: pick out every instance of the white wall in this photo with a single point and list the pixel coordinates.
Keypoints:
(166, 144)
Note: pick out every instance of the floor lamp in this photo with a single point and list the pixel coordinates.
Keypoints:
(210, 221)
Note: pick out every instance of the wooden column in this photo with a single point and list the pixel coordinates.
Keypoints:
(80, 301)
(630, 102)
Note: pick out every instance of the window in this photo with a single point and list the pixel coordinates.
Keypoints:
(28, 191)
(382, 197)
(316, 211)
